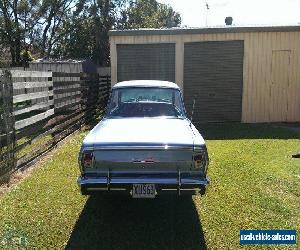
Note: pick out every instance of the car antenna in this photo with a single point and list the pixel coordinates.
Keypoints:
(191, 120)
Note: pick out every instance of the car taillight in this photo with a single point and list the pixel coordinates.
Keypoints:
(199, 160)
(87, 159)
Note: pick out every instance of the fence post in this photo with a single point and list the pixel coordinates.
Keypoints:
(7, 120)
(83, 98)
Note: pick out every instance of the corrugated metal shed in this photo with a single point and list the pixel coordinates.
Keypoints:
(271, 61)
(160, 63)
(213, 72)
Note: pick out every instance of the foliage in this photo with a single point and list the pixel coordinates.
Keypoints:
(87, 33)
(75, 29)
(56, 13)
(35, 23)
(26, 57)
(149, 14)
(88, 36)
(254, 185)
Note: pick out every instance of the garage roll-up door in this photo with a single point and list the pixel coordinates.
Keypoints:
(213, 74)
(146, 62)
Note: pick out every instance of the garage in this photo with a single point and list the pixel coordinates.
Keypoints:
(146, 61)
(236, 74)
(213, 76)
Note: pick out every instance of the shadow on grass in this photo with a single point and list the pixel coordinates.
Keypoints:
(125, 223)
(227, 131)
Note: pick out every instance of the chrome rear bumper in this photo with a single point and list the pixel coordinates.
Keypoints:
(180, 183)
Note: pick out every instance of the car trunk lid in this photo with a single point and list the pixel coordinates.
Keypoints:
(141, 131)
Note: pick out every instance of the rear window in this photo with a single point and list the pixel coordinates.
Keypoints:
(145, 102)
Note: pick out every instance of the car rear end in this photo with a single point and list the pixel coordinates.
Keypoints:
(143, 171)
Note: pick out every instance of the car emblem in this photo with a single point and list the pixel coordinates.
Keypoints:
(147, 161)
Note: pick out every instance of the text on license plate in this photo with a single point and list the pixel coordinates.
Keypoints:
(143, 191)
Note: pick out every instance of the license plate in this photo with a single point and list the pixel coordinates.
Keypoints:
(143, 191)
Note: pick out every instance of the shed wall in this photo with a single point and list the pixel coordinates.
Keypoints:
(259, 74)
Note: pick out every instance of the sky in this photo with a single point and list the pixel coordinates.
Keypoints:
(244, 12)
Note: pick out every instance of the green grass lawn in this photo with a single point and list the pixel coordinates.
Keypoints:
(255, 184)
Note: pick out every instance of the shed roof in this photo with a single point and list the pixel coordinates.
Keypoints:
(204, 30)
(146, 83)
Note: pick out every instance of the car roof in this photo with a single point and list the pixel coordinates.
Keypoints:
(146, 83)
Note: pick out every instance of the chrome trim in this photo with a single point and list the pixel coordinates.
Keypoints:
(105, 189)
(87, 148)
(201, 147)
(185, 189)
(136, 146)
(146, 86)
(109, 181)
(96, 188)
(144, 162)
(143, 147)
(133, 146)
(165, 181)
(179, 181)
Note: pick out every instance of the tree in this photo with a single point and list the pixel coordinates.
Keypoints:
(75, 29)
(148, 14)
(34, 22)
(10, 29)
(88, 37)
(55, 14)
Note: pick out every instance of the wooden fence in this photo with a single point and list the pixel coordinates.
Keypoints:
(38, 110)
